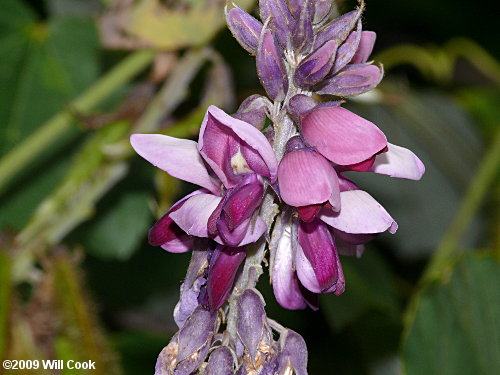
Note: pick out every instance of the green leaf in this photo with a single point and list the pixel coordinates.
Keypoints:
(118, 231)
(42, 67)
(369, 286)
(456, 328)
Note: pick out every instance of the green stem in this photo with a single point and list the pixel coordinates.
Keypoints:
(470, 205)
(41, 139)
(449, 246)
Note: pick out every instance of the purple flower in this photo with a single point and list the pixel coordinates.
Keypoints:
(239, 159)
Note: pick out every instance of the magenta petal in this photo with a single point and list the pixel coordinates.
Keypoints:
(305, 178)
(193, 216)
(305, 272)
(365, 47)
(220, 137)
(285, 283)
(341, 136)
(178, 157)
(359, 214)
(221, 273)
(167, 234)
(242, 202)
(399, 162)
(317, 244)
(309, 213)
(248, 231)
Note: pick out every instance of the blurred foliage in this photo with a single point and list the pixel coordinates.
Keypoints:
(413, 302)
(456, 328)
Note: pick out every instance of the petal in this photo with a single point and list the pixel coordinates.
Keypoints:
(281, 18)
(193, 216)
(359, 214)
(347, 49)
(365, 47)
(315, 67)
(221, 273)
(249, 231)
(338, 29)
(309, 213)
(284, 279)
(341, 136)
(242, 202)
(305, 178)
(399, 162)
(317, 245)
(220, 136)
(220, 362)
(167, 234)
(178, 157)
(293, 357)
(254, 110)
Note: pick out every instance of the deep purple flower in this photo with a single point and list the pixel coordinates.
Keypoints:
(236, 152)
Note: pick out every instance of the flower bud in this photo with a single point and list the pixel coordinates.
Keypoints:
(254, 110)
(353, 80)
(271, 67)
(189, 347)
(280, 17)
(245, 28)
(348, 49)
(220, 362)
(339, 28)
(191, 287)
(251, 319)
(293, 354)
(300, 105)
(315, 67)
(221, 273)
(302, 34)
(322, 10)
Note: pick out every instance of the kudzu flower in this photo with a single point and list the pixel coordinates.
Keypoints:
(283, 187)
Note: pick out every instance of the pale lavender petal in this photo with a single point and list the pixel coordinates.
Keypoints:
(399, 162)
(245, 29)
(178, 157)
(342, 136)
(318, 246)
(193, 216)
(305, 177)
(365, 47)
(285, 283)
(195, 333)
(359, 214)
(353, 80)
(218, 128)
(348, 249)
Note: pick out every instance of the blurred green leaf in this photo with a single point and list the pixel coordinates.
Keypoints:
(42, 66)
(369, 286)
(116, 233)
(456, 328)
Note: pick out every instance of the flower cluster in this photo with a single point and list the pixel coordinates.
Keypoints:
(297, 164)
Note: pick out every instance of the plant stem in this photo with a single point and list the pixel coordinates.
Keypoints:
(449, 246)
(41, 139)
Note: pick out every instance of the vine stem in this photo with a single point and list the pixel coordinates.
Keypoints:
(41, 139)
